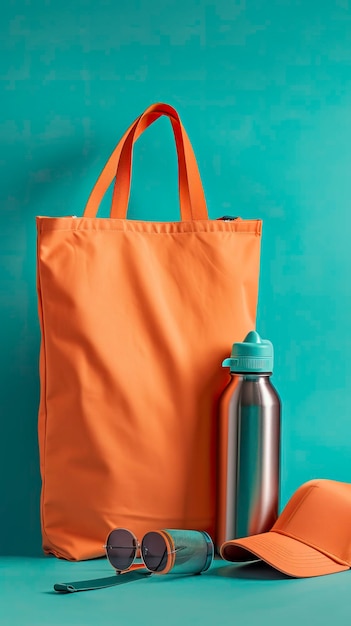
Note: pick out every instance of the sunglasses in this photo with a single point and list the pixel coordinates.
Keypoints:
(161, 551)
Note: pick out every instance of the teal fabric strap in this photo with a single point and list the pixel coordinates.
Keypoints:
(101, 583)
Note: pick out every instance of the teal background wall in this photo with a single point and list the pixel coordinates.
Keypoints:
(264, 90)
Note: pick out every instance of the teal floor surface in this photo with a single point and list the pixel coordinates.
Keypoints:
(225, 595)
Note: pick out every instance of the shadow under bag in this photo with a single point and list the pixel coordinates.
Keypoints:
(136, 318)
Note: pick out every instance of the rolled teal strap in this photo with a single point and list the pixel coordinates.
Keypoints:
(100, 583)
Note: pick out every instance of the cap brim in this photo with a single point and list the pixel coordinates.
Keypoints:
(282, 552)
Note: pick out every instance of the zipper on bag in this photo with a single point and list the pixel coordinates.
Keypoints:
(227, 218)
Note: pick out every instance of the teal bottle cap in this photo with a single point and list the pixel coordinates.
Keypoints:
(253, 355)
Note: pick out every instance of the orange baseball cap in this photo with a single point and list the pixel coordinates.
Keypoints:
(311, 537)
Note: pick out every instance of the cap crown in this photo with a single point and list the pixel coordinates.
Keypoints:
(319, 515)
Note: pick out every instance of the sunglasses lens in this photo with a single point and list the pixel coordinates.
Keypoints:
(154, 552)
(121, 548)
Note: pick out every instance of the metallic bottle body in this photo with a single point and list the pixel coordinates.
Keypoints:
(249, 457)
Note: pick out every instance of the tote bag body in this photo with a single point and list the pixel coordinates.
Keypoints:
(136, 318)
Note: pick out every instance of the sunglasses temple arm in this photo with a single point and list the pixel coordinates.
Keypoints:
(133, 567)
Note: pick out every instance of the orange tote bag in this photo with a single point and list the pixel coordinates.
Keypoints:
(136, 318)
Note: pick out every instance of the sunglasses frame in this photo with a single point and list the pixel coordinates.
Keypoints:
(170, 551)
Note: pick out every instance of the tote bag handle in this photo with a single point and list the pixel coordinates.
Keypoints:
(119, 165)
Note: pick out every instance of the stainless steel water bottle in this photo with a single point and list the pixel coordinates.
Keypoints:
(249, 443)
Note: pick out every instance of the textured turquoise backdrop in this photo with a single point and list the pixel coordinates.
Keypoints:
(264, 89)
